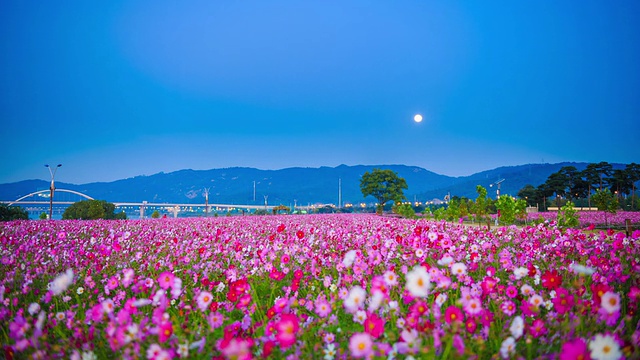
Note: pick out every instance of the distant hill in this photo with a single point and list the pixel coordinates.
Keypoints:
(304, 185)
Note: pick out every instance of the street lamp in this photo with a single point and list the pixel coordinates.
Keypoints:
(52, 188)
(497, 190)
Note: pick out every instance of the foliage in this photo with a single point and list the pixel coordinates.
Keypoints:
(43, 216)
(567, 217)
(605, 201)
(440, 213)
(155, 214)
(91, 210)
(259, 212)
(480, 206)
(281, 208)
(9, 213)
(406, 210)
(384, 185)
(510, 208)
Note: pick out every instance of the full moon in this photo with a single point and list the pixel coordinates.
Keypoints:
(417, 118)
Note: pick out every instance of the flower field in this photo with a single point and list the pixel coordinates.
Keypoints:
(593, 218)
(315, 287)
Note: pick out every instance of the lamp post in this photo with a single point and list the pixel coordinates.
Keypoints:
(497, 196)
(52, 187)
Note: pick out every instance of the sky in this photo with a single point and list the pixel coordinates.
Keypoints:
(116, 89)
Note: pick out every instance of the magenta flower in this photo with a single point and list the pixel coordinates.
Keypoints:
(537, 328)
(286, 329)
(453, 314)
(575, 350)
(374, 325)
(165, 280)
(563, 301)
(165, 331)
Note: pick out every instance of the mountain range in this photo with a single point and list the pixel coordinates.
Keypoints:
(286, 186)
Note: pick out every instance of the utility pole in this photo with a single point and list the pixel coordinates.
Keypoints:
(254, 191)
(339, 193)
(206, 202)
(52, 188)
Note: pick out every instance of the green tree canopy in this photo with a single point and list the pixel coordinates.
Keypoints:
(91, 210)
(8, 213)
(384, 185)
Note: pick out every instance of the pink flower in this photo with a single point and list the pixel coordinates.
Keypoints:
(165, 280)
(508, 308)
(286, 329)
(473, 307)
(360, 345)
(574, 350)
(203, 300)
(323, 309)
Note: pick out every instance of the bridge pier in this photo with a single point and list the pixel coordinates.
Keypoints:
(144, 203)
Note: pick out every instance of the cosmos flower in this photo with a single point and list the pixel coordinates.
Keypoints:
(355, 299)
(418, 282)
(204, 299)
(61, 282)
(360, 345)
(610, 302)
(604, 347)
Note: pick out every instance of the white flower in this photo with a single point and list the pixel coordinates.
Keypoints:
(526, 290)
(89, 355)
(441, 298)
(183, 350)
(418, 282)
(375, 301)
(80, 290)
(459, 269)
(517, 327)
(61, 282)
(355, 299)
(604, 348)
(520, 272)
(349, 258)
(34, 308)
(360, 316)
(390, 278)
(508, 347)
(419, 253)
(581, 269)
(329, 352)
(536, 300)
(220, 287)
(610, 301)
(141, 302)
(446, 260)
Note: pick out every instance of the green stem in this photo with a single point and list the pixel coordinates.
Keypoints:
(447, 349)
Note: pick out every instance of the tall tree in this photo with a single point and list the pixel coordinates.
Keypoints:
(481, 204)
(596, 175)
(633, 175)
(528, 193)
(384, 185)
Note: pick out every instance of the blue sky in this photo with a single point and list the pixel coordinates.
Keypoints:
(115, 89)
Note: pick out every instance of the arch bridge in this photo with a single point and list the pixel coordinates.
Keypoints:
(143, 207)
